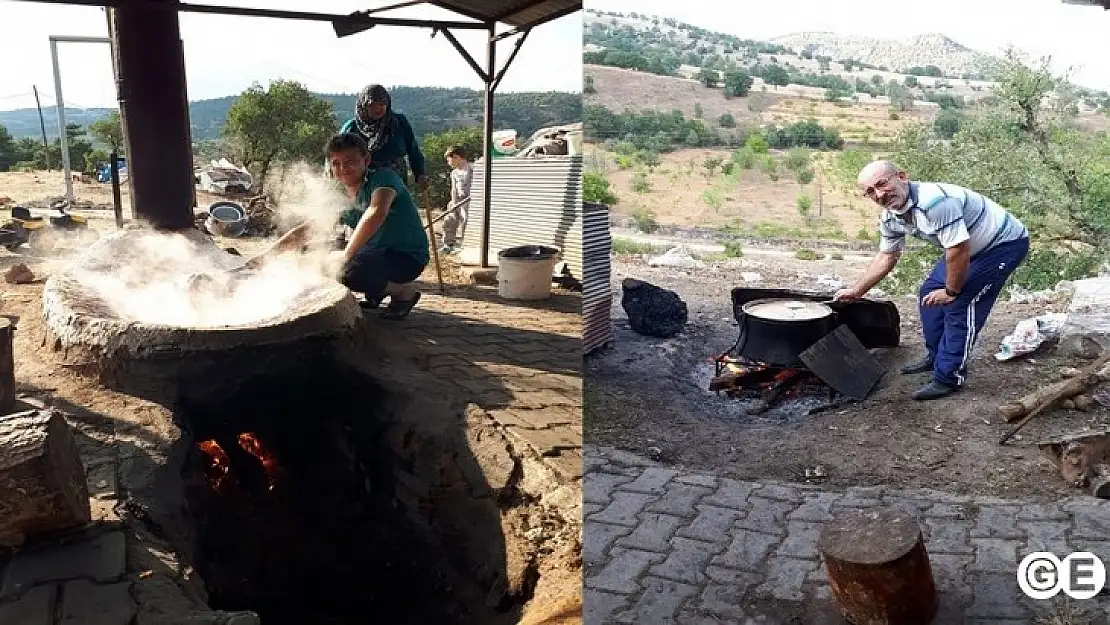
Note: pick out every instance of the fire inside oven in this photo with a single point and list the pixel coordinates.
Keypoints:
(289, 487)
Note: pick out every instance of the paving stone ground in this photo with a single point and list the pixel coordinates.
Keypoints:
(666, 546)
(520, 362)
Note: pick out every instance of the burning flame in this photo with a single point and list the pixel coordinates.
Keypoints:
(219, 465)
(251, 444)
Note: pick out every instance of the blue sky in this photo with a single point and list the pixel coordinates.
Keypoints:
(1075, 36)
(224, 55)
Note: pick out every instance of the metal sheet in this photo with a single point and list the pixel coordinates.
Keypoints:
(534, 201)
(597, 293)
(512, 12)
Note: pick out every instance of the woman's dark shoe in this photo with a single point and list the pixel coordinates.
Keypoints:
(922, 366)
(399, 309)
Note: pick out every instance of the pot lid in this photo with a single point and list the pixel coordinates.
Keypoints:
(787, 310)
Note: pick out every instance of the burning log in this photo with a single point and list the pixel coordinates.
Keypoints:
(784, 381)
(878, 568)
(42, 478)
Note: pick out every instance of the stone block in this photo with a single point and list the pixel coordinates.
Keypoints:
(100, 558)
(86, 603)
(42, 479)
(35, 607)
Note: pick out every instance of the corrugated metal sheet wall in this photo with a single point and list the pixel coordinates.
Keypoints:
(535, 201)
(597, 296)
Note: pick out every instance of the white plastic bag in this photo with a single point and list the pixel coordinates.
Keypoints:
(1029, 334)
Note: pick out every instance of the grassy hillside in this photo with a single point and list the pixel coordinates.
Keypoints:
(431, 110)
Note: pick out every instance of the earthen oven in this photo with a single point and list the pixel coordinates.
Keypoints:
(306, 480)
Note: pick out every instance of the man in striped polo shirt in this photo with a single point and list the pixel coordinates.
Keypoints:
(983, 244)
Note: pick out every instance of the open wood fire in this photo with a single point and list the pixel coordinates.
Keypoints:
(739, 377)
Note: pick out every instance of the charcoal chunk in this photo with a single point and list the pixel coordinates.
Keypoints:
(651, 310)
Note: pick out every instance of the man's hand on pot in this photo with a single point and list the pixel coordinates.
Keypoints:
(939, 297)
(846, 295)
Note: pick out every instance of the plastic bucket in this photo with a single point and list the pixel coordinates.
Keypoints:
(226, 219)
(524, 273)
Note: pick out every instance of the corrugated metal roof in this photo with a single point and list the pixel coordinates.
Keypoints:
(517, 13)
(534, 201)
(1105, 4)
(597, 294)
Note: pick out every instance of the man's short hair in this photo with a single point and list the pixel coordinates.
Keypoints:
(347, 141)
(456, 150)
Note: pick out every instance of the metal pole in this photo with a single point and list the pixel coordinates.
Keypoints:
(117, 200)
(42, 126)
(59, 104)
(487, 141)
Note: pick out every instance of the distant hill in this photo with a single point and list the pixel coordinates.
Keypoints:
(953, 58)
(430, 109)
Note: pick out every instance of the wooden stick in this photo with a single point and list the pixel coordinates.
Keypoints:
(432, 238)
(1043, 399)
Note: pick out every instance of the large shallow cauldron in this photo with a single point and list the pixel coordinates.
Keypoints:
(777, 331)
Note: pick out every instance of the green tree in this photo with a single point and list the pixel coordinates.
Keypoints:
(698, 110)
(109, 132)
(776, 75)
(726, 120)
(588, 84)
(282, 123)
(595, 189)
(709, 77)
(947, 123)
(8, 154)
(737, 84)
(911, 81)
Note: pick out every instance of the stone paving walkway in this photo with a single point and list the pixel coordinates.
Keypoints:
(667, 546)
(522, 363)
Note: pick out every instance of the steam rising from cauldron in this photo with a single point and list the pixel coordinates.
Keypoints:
(151, 278)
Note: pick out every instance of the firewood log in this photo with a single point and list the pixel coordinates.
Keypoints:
(1044, 397)
(878, 568)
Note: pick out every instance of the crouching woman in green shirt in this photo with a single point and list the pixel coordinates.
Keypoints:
(388, 248)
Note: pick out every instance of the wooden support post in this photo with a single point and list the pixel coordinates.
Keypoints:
(7, 366)
(432, 239)
(878, 569)
(44, 479)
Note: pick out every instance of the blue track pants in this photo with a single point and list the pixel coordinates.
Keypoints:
(951, 331)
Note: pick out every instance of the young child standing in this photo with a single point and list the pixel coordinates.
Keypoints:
(462, 173)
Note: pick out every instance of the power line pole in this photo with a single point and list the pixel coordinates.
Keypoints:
(42, 125)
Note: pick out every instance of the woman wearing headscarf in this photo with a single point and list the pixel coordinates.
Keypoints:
(388, 134)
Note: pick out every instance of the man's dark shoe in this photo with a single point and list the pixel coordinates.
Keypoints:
(934, 390)
(922, 366)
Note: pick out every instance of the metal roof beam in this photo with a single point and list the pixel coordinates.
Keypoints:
(465, 55)
(361, 18)
(509, 61)
(511, 12)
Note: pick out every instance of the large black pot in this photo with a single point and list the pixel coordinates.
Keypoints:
(777, 331)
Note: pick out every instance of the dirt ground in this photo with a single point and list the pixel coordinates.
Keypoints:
(622, 89)
(681, 195)
(649, 396)
(36, 187)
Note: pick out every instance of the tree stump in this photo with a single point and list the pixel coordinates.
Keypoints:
(7, 366)
(42, 479)
(878, 569)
